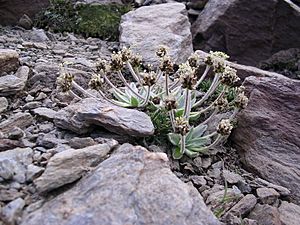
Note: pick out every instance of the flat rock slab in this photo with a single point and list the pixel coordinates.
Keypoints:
(145, 28)
(268, 132)
(70, 165)
(12, 84)
(9, 60)
(81, 116)
(21, 120)
(133, 186)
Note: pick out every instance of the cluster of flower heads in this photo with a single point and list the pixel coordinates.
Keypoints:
(224, 127)
(64, 81)
(221, 104)
(170, 103)
(187, 76)
(241, 100)
(182, 126)
(96, 82)
(217, 60)
(149, 78)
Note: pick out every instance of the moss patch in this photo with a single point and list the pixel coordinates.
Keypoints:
(90, 20)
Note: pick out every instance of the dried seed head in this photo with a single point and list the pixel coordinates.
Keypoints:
(181, 126)
(136, 60)
(241, 101)
(148, 78)
(229, 76)
(224, 127)
(161, 51)
(193, 60)
(96, 82)
(166, 65)
(64, 81)
(126, 54)
(116, 63)
(102, 65)
(217, 60)
(170, 103)
(241, 89)
(156, 100)
(221, 104)
(187, 76)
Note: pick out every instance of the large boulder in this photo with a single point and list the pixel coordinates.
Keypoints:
(150, 26)
(249, 33)
(12, 10)
(82, 116)
(133, 186)
(268, 132)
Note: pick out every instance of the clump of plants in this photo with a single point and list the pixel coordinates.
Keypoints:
(90, 20)
(166, 91)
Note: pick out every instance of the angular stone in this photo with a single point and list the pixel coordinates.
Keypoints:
(244, 206)
(70, 165)
(12, 84)
(45, 113)
(33, 172)
(81, 116)
(133, 186)
(265, 138)
(145, 28)
(267, 195)
(77, 142)
(7, 144)
(232, 178)
(289, 213)
(12, 211)
(281, 190)
(265, 215)
(9, 60)
(3, 104)
(21, 120)
(16, 161)
(249, 33)
(9, 195)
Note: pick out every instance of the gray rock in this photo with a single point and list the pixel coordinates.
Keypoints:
(77, 142)
(289, 213)
(33, 172)
(232, 178)
(38, 35)
(281, 190)
(25, 22)
(79, 118)
(12, 84)
(45, 113)
(70, 165)
(198, 181)
(265, 215)
(249, 33)
(133, 186)
(165, 24)
(12, 211)
(21, 120)
(16, 133)
(6, 169)
(9, 194)
(267, 195)
(9, 60)
(264, 138)
(244, 206)
(3, 104)
(15, 162)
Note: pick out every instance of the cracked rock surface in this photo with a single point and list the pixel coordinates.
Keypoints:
(133, 186)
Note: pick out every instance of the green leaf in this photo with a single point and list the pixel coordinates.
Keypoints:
(174, 138)
(196, 149)
(179, 112)
(134, 102)
(198, 142)
(120, 97)
(191, 154)
(199, 131)
(190, 134)
(177, 153)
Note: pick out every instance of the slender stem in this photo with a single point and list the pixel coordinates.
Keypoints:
(133, 73)
(182, 144)
(167, 84)
(174, 85)
(128, 86)
(203, 76)
(187, 103)
(235, 111)
(147, 97)
(172, 118)
(210, 135)
(211, 89)
(111, 84)
(79, 88)
(74, 95)
(107, 99)
(210, 117)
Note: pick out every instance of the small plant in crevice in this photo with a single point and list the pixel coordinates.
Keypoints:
(89, 20)
(169, 93)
